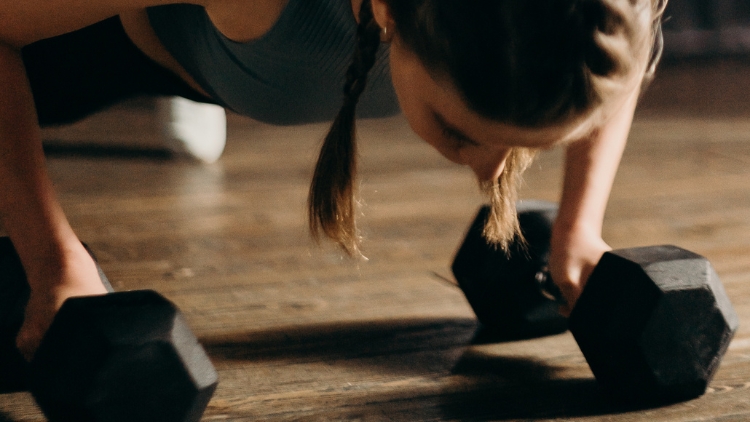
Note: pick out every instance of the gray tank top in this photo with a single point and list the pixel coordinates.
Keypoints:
(294, 74)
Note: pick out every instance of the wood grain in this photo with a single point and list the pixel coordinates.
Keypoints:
(300, 332)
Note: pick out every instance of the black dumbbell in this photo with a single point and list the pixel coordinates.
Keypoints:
(653, 323)
(507, 290)
(126, 356)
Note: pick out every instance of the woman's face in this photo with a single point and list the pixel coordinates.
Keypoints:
(438, 114)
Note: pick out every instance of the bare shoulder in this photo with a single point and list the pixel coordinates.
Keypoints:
(244, 20)
(30, 20)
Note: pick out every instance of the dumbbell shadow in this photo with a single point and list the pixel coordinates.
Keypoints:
(522, 387)
(396, 346)
(503, 386)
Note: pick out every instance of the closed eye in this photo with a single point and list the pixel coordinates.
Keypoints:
(453, 134)
(458, 138)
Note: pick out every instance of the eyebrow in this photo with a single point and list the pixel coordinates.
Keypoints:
(452, 129)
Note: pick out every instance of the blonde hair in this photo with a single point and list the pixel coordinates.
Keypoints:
(501, 227)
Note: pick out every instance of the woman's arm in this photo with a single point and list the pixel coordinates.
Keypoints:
(56, 264)
(590, 168)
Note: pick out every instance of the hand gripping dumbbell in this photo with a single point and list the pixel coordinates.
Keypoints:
(118, 357)
(653, 323)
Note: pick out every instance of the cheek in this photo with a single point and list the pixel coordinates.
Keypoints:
(420, 121)
(414, 109)
(409, 92)
(417, 120)
(414, 99)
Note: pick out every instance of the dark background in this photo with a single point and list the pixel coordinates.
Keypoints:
(704, 28)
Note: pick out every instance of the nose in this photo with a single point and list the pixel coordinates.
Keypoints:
(488, 165)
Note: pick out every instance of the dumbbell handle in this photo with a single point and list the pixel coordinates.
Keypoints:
(548, 287)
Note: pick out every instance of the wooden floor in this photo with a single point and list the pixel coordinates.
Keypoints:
(298, 332)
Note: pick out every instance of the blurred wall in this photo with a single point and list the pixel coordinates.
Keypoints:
(696, 28)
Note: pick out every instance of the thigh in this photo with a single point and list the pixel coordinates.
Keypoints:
(79, 73)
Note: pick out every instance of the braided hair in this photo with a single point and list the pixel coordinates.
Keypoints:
(331, 204)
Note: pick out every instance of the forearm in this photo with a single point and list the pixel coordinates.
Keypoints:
(30, 213)
(590, 169)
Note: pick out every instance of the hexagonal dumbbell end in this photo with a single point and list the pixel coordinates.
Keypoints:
(503, 288)
(653, 323)
(121, 357)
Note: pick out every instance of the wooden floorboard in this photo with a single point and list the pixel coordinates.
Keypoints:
(300, 332)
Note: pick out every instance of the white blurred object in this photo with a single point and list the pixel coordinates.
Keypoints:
(198, 130)
(180, 126)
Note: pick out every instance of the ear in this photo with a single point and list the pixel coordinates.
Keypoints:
(382, 13)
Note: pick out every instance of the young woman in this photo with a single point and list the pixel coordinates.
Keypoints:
(486, 83)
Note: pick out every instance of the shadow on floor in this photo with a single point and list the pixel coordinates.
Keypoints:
(478, 386)
(509, 388)
(504, 388)
(560, 398)
(431, 342)
(98, 151)
(489, 335)
(5, 418)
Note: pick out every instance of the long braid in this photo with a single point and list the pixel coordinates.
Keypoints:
(331, 205)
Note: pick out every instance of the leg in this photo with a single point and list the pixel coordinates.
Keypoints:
(76, 74)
